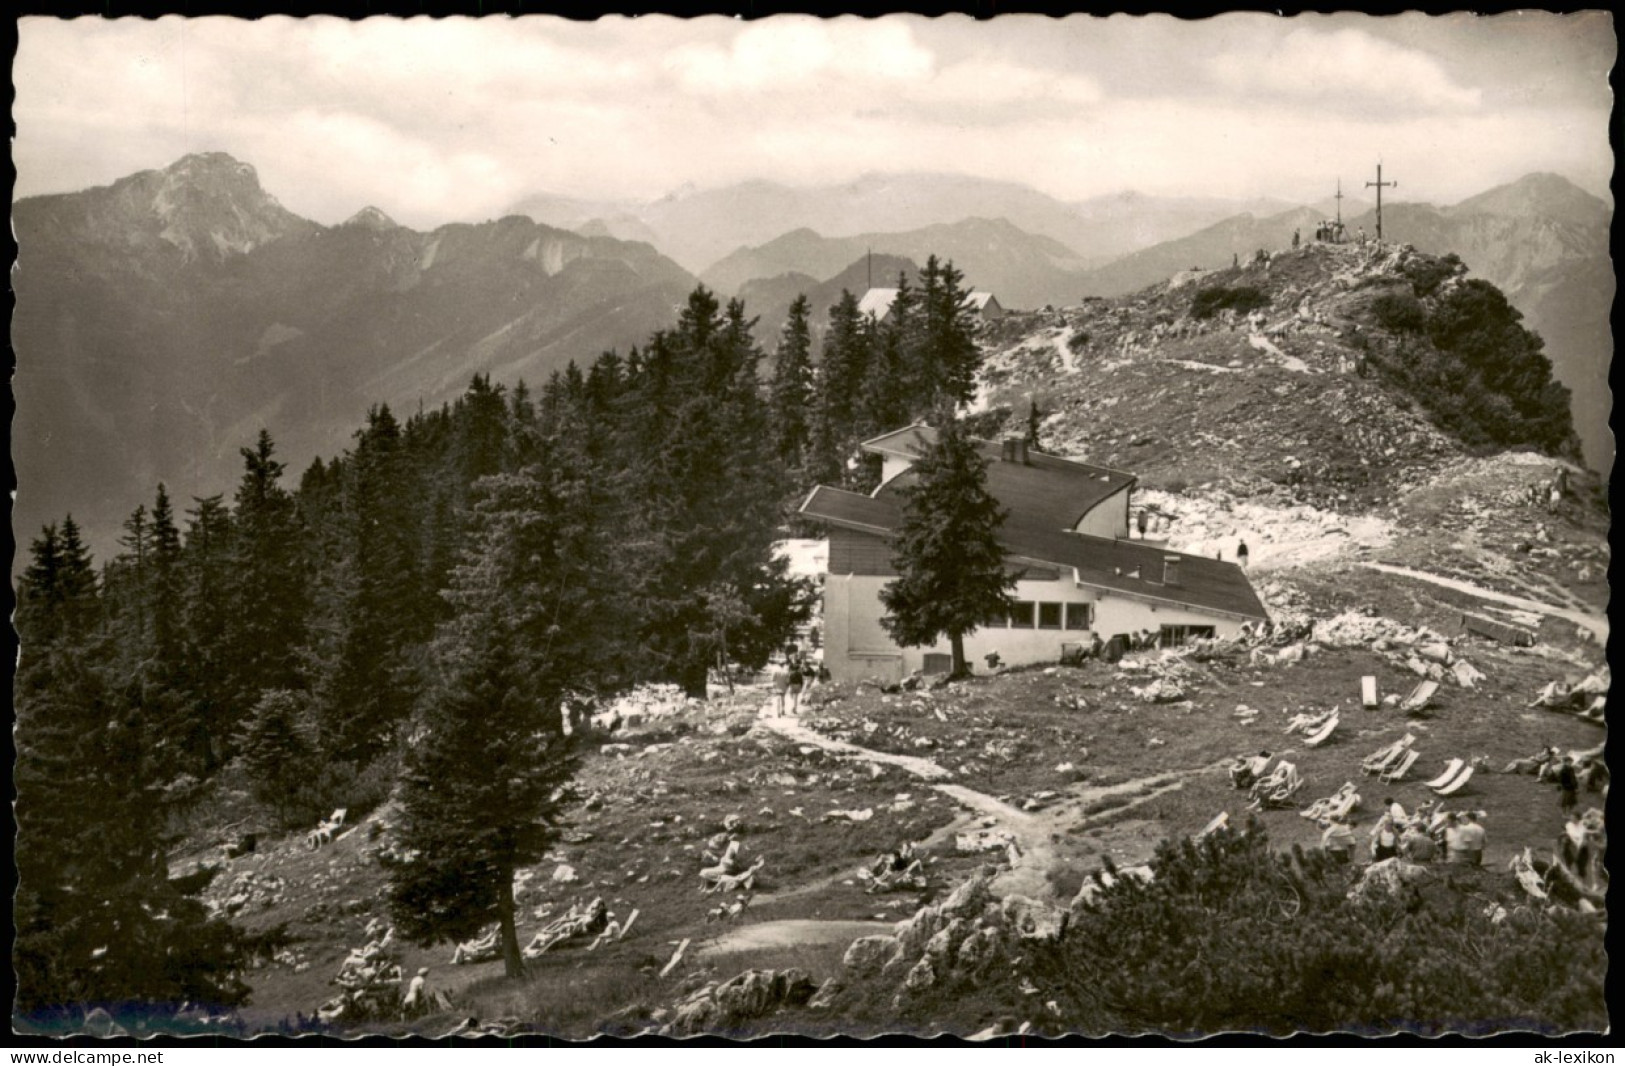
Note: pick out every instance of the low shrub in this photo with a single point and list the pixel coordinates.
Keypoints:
(1240, 298)
(1399, 312)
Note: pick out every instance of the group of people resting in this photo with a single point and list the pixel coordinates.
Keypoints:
(1271, 632)
(1421, 837)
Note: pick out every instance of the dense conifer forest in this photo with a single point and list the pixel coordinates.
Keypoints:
(415, 612)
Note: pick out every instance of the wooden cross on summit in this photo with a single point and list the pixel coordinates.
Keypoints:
(1379, 185)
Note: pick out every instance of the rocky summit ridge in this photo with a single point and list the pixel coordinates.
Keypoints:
(1277, 398)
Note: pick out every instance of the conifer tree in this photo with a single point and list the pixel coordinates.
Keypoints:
(946, 356)
(841, 376)
(206, 581)
(374, 609)
(707, 488)
(793, 387)
(266, 581)
(892, 386)
(480, 788)
(98, 921)
(275, 750)
(951, 572)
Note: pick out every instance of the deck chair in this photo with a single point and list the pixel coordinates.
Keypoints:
(1401, 768)
(1419, 697)
(1314, 739)
(1385, 758)
(1443, 779)
(1456, 786)
(338, 817)
(1368, 692)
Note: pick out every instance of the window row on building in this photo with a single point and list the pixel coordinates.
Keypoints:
(1033, 614)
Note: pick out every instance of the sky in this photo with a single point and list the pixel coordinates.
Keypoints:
(435, 121)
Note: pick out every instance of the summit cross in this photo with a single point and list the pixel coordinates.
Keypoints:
(1379, 185)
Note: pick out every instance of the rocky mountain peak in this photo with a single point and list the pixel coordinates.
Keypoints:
(210, 205)
(371, 218)
(1540, 196)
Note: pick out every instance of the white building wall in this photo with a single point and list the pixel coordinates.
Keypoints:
(1115, 614)
(857, 647)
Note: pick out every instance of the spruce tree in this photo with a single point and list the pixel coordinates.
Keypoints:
(206, 580)
(704, 487)
(276, 751)
(480, 788)
(951, 572)
(793, 387)
(947, 356)
(98, 921)
(841, 376)
(892, 387)
(267, 581)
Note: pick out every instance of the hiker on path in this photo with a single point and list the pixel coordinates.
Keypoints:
(781, 687)
(797, 675)
(1295, 239)
(1241, 554)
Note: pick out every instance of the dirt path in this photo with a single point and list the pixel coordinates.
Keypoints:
(1034, 833)
(1291, 362)
(1596, 624)
(789, 933)
(795, 729)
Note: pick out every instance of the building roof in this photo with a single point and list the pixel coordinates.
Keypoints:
(1046, 491)
(978, 301)
(877, 302)
(1031, 534)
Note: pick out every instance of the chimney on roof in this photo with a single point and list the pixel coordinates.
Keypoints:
(1170, 570)
(1008, 452)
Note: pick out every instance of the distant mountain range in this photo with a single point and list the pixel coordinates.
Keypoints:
(1023, 269)
(769, 299)
(698, 228)
(163, 320)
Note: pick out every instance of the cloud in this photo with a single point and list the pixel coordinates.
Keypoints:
(983, 82)
(797, 51)
(458, 119)
(1347, 68)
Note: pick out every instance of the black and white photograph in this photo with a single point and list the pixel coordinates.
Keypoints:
(783, 527)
